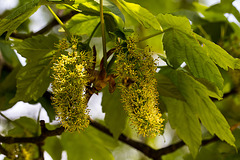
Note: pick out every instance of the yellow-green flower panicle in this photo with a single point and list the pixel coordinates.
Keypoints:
(135, 70)
(69, 89)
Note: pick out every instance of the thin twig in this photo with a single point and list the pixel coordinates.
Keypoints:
(45, 29)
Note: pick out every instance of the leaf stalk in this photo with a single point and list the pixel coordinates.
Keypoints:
(103, 35)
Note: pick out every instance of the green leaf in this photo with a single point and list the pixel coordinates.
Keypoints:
(34, 78)
(115, 116)
(89, 144)
(186, 123)
(237, 64)
(34, 48)
(212, 118)
(81, 24)
(181, 47)
(217, 54)
(225, 7)
(142, 15)
(114, 9)
(23, 127)
(193, 16)
(210, 16)
(54, 147)
(90, 8)
(8, 54)
(8, 89)
(166, 88)
(88, 20)
(46, 104)
(17, 17)
(208, 152)
(197, 98)
(170, 21)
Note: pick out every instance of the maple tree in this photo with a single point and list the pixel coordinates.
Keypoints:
(195, 89)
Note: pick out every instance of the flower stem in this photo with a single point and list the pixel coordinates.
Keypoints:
(60, 22)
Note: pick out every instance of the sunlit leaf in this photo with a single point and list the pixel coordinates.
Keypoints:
(217, 54)
(142, 15)
(81, 24)
(170, 21)
(181, 47)
(197, 98)
(186, 123)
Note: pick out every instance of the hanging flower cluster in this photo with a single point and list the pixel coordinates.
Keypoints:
(135, 70)
(70, 74)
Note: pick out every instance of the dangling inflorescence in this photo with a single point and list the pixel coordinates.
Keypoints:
(135, 70)
(70, 74)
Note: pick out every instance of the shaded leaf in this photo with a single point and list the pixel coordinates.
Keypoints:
(225, 7)
(46, 104)
(8, 89)
(114, 9)
(193, 16)
(8, 54)
(115, 116)
(23, 127)
(209, 15)
(34, 78)
(17, 17)
(89, 144)
(54, 148)
(167, 88)
(35, 47)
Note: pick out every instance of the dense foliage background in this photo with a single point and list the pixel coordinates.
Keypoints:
(197, 78)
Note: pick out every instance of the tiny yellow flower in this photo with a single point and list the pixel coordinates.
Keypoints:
(70, 76)
(135, 71)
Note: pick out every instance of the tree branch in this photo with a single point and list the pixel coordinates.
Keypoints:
(36, 140)
(142, 147)
(45, 29)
